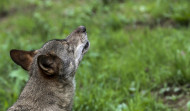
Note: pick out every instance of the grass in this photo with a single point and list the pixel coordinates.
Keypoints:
(137, 48)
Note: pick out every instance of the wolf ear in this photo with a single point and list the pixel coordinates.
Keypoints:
(23, 58)
(49, 64)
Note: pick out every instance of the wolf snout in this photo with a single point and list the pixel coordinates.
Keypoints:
(81, 29)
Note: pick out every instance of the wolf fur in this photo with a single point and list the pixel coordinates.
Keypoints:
(51, 69)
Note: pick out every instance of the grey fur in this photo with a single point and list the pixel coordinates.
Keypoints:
(51, 86)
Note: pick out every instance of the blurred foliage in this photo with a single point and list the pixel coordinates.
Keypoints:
(137, 46)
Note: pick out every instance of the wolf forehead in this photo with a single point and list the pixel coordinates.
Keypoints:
(57, 46)
(54, 43)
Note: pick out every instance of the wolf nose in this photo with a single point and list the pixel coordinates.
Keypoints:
(82, 29)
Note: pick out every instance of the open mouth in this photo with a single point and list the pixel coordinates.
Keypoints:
(85, 49)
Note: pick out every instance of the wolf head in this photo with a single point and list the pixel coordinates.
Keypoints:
(56, 57)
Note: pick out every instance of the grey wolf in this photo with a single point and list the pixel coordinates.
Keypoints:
(51, 69)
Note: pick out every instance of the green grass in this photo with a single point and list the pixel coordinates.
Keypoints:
(132, 53)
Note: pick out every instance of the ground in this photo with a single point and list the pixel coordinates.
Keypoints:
(138, 59)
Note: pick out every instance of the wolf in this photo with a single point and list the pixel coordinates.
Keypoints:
(51, 84)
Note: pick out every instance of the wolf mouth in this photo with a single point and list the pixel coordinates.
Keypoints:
(85, 49)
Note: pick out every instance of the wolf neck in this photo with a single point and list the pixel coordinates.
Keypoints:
(42, 93)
